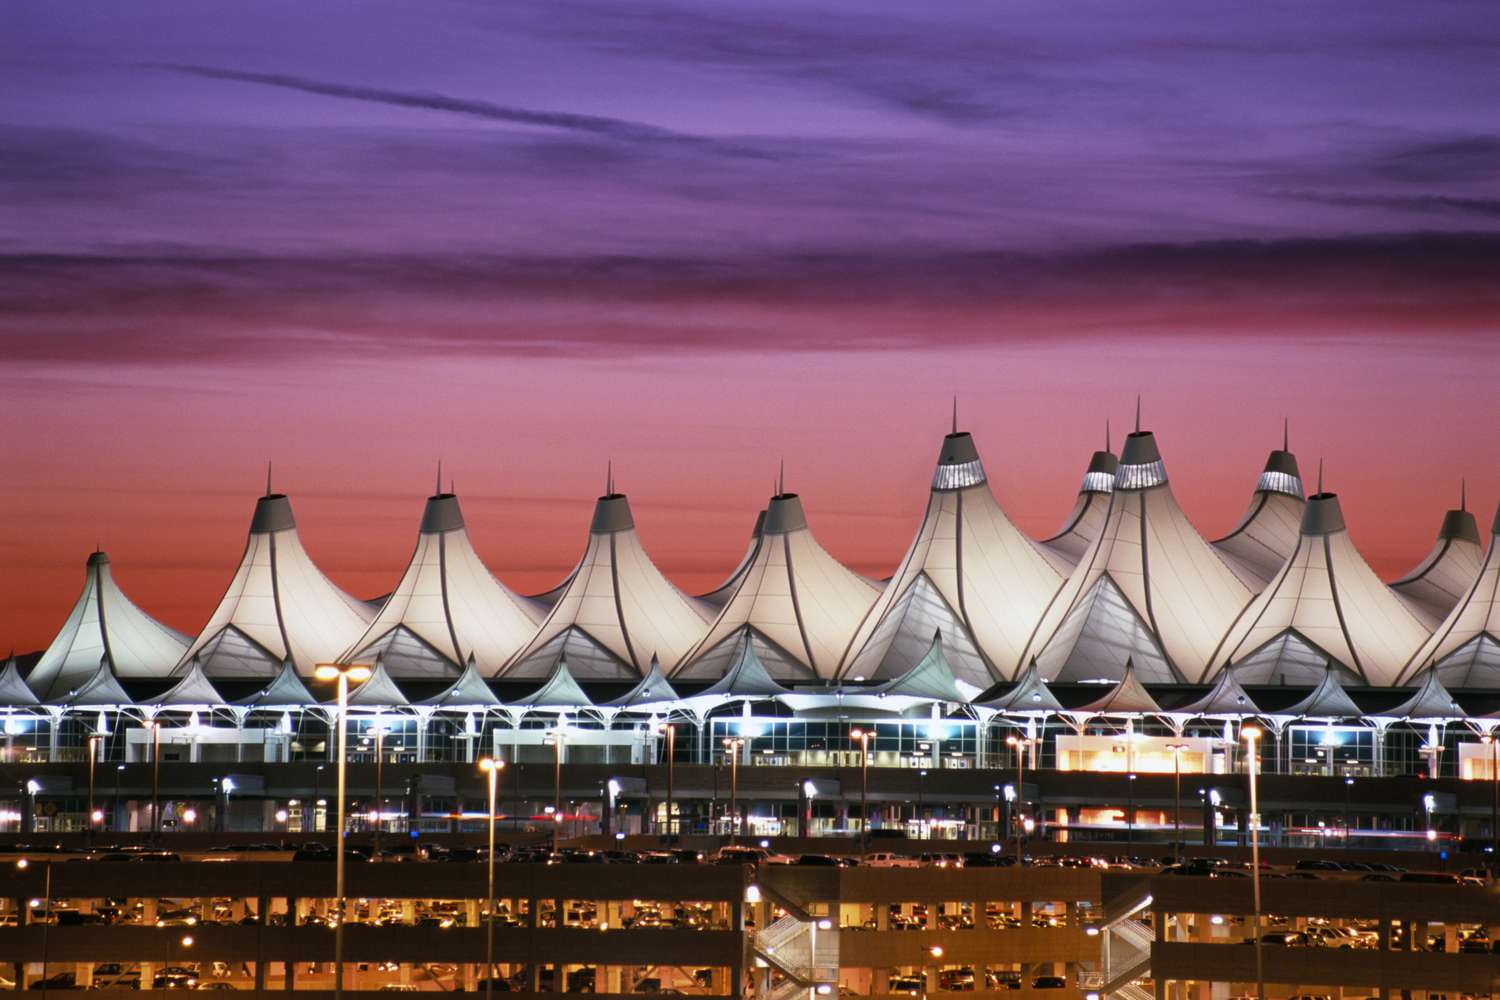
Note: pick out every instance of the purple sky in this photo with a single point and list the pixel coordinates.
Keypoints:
(549, 234)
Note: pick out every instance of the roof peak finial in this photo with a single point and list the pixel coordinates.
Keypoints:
(1137, 413)
(1320, 473)
(1286, 428)
(451, 488)
(1107, 446)
(439, 487)
(955, 413)
(268, 477)
(1463, 494)
(781, 479)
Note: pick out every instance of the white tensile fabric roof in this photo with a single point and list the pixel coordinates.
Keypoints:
(447, 607)
(1267, 535)
(1325, 604)
(278, 605)
(615, 610)
(469, 691)
(100, 690)
(799, 605)
(1434, 587)
(104, 623)
(1149, 590)
(13, 690)
(970, 575)
(194, 690)
(1465, 648)
(1086, 520)
(286, 690)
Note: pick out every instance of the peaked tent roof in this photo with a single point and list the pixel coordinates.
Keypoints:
(1030, 696)
(378, 690)
(560, 690)
(1227, 699)
(278, 605)
(1267, 535)
(721, 594)
(104, 623)
(1085, 521)
(469, 691)
(1328, 700)
(1148, 590)
(929, 679)
(797, 602)
(447, 607)
(1325, 604)
(745, 678)
(1431, 703)
(615, 610)
(1127, 697)
(653, 690)
(1465, 648)
(194, 689)
(102, 690)
(969, 574)
(1439, 581)
(286, 690)
(13, 690)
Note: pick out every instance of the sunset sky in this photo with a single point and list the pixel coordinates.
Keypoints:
(531, 238)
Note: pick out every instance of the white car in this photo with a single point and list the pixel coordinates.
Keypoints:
(886, 859)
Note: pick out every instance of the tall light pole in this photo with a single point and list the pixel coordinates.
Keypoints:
(732, 747)
(1348, 787)
(864, 788)
(1494, 746)
(555, 738)
(1252, 759)
(94, 742)
(1018, 745)
(671, 733)
(21, 865)
(379, 806)
(1177, 749)
(155, 779)
(491, 769)
(343, 673)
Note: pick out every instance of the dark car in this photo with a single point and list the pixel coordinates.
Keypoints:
(817, 861)
(1049, 983)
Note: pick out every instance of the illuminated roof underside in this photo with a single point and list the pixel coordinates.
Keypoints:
(969, 575)
(278, 605)
(1149, 588)
(1325, 605)
(797, 604)
(446, 608)
(104, 624)
(1465, 648)
(614, 611)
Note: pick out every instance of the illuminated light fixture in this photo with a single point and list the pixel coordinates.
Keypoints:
(1217, 920)
(825, 924)
(936, 951)
(355, 672)
(752, 893)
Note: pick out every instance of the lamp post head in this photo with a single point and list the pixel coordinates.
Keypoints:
(353, 672)
(490, 765)
(1251, 733)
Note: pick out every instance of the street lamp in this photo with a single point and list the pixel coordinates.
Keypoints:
(1494, 746)
(93, 742)
(1252, 755)
(555, 739)
(344, 674)
(21, 865)
(864, 787)
(1018, 745)
(155, 728)
(671, 734)
(491, 769)
(732, 746)
(379, 805)
(1177, 749)
(1348, 787)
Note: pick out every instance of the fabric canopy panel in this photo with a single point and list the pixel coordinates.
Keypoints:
(1325, 605)
(104, 624)
(1148, 590)
(278, 606)
(1085, 522)
(800, 605)
(446, 608)
(1434, 587)
(1267, 535)
(1465, 648)
(969, 575)
(615, 610)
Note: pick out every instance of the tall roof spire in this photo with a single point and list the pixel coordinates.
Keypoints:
(268, 478)
(1106, 435)
(1137, 413)
(1320, 473)
(437, 489)
(955, 414)
(1463, 494)
(781, 479)
(1286, 425)
(609, 477)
